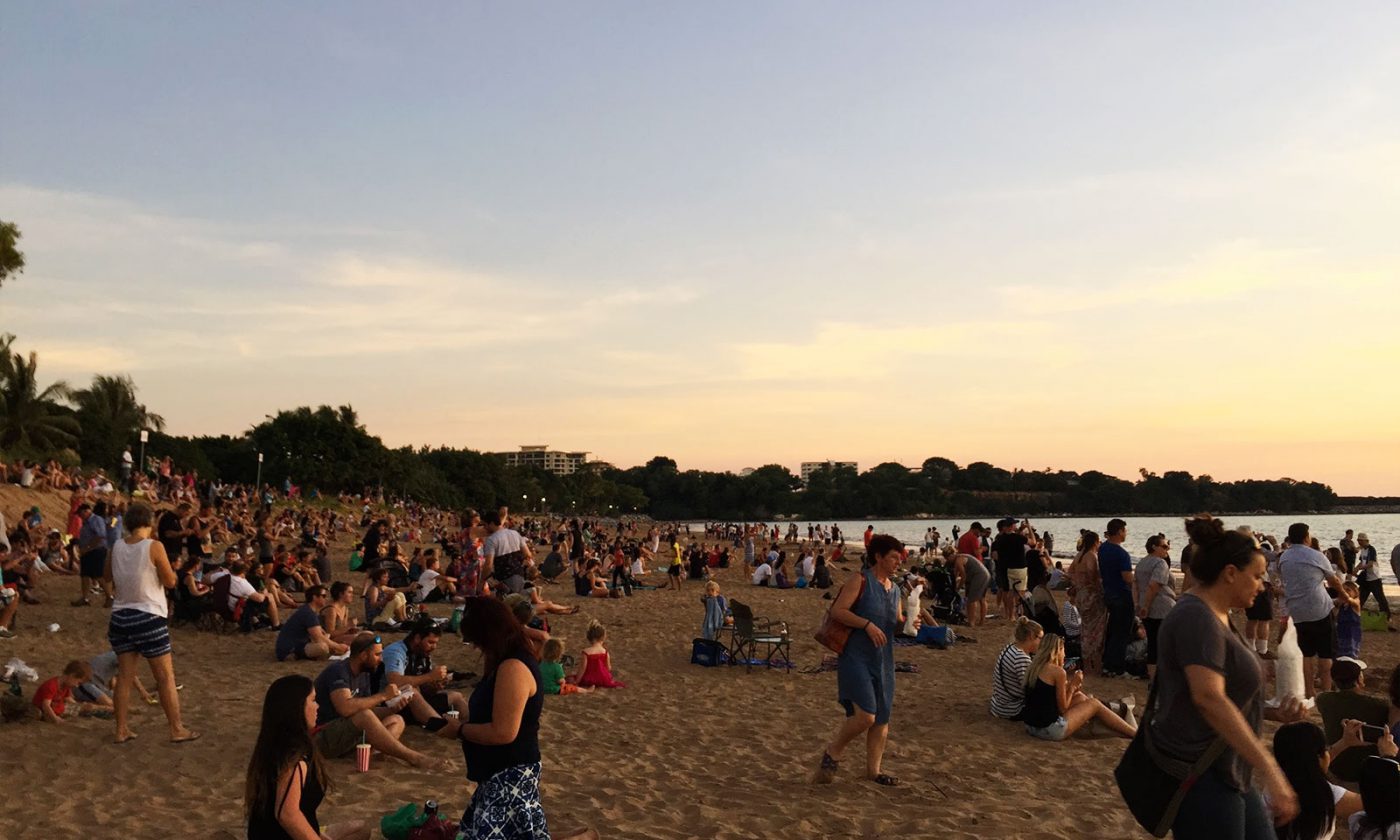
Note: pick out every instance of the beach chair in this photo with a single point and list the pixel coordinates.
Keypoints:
(749, 633)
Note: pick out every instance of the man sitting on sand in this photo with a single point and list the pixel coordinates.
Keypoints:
(409, 663)
(349, 707)
(337, 618)
(302, 635)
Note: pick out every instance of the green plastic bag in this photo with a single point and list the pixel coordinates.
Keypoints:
(1374, 621)
(397, 825)
(356, 561)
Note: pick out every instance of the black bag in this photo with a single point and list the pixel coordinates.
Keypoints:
(707, 652)
(1153, 785)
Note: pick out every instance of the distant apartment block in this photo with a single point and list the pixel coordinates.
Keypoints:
(540, 455)
(809, 467)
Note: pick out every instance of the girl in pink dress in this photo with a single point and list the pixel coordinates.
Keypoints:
(596, 668)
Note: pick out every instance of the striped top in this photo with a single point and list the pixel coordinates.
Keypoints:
(1069, 617)
(1009, 683)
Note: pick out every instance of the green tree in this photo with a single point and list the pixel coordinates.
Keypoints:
(33, 420)
(111, 417)
(11, 258)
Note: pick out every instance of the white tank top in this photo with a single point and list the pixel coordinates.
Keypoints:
(135, 580)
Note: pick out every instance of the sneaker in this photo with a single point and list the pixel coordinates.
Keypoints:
(6, 633)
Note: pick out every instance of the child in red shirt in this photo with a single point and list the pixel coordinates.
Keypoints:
(52, 697)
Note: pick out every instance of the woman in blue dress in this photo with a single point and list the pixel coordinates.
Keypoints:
(870, 605)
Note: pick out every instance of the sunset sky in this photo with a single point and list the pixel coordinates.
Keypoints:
(1081, 236)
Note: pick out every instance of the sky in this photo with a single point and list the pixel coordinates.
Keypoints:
(1071, 236)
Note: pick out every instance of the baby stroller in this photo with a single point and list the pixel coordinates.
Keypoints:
(947, 603)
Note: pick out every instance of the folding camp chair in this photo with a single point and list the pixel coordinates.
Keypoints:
(748, 633)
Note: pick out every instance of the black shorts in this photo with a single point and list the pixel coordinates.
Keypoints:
(1153, 626)
(674, 571)
(1317, 638)
(1003, 582)
(93, 563)
(1263, 607)
(438, 700)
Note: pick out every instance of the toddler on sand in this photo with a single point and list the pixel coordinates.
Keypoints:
(552, 670)
(596, 668)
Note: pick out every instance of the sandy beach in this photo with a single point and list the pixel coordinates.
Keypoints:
(682, 752)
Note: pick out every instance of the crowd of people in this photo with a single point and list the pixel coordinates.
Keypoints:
(1208, 696)
(181, 550)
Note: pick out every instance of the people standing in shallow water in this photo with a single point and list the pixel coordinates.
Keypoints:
(868, 603)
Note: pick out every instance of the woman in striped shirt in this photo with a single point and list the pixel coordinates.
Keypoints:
(1009, 677)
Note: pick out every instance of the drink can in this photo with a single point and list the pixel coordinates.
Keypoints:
(362, 758)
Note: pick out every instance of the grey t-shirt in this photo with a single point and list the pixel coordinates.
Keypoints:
(1303, 570)
(1192, 635)
(1152, 568)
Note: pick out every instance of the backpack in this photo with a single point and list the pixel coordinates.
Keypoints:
(707, 652)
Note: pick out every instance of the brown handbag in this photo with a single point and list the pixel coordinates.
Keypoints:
(833, 634)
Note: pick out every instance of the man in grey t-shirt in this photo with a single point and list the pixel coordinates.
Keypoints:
(505, 554)
(1306, 575)
(1156, 593)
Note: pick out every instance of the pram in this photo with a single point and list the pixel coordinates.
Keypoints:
(947, 603)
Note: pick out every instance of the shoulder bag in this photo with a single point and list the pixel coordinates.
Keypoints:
(833, 634)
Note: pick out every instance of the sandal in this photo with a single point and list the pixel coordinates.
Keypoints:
(192, 736)
(886, 780)
(826, 773)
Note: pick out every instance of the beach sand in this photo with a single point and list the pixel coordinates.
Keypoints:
(682, 752)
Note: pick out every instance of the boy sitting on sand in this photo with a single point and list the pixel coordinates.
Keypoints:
(51, 700)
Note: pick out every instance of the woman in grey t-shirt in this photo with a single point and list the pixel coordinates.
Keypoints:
(1209, 686)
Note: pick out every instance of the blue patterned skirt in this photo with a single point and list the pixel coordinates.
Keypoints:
(506, 807)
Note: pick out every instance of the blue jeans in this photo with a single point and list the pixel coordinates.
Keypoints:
(1215, 811)
(1120, 628)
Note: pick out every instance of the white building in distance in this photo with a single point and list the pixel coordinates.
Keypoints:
(540, 455)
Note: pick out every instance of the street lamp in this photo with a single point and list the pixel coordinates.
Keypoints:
(141, 465)
(259, 484)
(542, 501)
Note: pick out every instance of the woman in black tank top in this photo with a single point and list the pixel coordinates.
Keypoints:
(286, 778)
(500, 738)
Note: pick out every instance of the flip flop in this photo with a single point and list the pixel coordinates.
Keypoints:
(826, 772)
(887, 781)
(193, 736)
(129, 737)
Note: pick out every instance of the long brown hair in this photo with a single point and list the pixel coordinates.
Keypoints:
(493, 628)
(283, 740)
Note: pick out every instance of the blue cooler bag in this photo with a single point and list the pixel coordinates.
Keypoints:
(707, 652)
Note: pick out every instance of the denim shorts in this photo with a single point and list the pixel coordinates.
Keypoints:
(1053, 732)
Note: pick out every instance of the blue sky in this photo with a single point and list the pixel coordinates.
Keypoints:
(1080, 235)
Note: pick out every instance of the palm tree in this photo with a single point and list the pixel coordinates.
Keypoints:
(111, 417)
(30, 418)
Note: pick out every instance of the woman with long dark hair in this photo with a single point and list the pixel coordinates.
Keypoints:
(1301, 751)
(286, 777)
(1380, 796)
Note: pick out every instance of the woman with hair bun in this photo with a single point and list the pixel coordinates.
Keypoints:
(870, 604)
(1209, 686)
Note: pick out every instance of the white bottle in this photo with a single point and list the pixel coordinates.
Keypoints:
(1288, 668)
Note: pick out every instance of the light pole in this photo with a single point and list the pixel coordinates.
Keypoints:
(141, 464)
(259, 483)
(542, 501)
